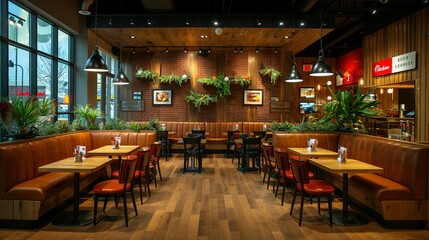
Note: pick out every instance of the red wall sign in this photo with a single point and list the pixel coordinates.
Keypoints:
(395, 64)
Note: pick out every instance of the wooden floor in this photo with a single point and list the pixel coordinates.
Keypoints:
(220, 203)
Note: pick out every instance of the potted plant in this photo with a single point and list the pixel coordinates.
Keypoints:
(242, 81)
(347, 107)
(88, 115)
(20, 117)
(273, 73)
(198, 98)
(147, 74)
(221, 82)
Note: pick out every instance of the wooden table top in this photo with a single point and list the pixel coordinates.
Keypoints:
(89, 165)
(108, 150)
(350, 166)
(303, 152)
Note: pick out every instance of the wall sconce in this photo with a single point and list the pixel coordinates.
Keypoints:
(381, 90)
(361, 82)
(318, 87)
(329, 98)
(390, 90)
(329, 83)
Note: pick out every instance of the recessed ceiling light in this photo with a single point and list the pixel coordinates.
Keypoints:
(302, 24)
(258, 22)
(281, 23)
(187, 22)
(132, 37)
(215, 23)
(203, 36)
(286, 37)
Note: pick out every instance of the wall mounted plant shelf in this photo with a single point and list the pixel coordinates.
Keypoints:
(273, 73)
(174, 79)
(199, 99)
(146, 74)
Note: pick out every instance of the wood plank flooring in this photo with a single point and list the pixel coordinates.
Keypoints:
(220, 203)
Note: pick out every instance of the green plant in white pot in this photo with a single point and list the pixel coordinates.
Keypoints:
(347, 107)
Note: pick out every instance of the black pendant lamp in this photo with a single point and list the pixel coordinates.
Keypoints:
(321, 68)
(95, 62)
(120, 78)
(294, 75)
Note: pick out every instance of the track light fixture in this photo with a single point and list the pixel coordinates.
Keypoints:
(12, 20)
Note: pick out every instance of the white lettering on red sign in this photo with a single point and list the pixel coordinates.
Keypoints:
(396, 64)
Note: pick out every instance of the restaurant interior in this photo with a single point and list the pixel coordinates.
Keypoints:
(229, 119)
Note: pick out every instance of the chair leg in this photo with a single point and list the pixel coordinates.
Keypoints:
(125, 209)
(184, 164)
(330, 209)
(302, 207)
(159, 171)
(134, 201)
(265, 173)
(95, 209)
(277, 188)
(284, 190)
(156, 184)
(293, 201)
(148, 187)
(318, 204)
(141, 192)
(200, 163)
(116, 200)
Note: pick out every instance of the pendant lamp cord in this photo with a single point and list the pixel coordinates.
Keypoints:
(120, 39)
(95, 24)
(293, 32)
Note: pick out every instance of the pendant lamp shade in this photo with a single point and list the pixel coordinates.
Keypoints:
(95, 62)
(294, 75)
(120, 78)
(321, 68)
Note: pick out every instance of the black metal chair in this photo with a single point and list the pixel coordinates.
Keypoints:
(251, 149)
(202, 134)
(162, 136)
(192, 150)
(230, 141)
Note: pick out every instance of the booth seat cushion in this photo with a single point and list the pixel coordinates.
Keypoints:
(383, 188)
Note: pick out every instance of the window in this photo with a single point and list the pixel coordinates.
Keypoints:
(44, 77)
(63, 45)
(19, 27)
(107, 89)
(19, 74)
(63, 91)
(44, 36)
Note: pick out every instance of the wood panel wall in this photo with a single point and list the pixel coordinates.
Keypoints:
(406, 35)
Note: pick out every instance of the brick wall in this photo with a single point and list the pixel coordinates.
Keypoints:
(231, 108)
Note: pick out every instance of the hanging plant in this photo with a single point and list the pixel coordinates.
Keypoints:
(273, 73)
(221, 82)
(198, 98)
(147, 74)
(242, 81)
(174, 79)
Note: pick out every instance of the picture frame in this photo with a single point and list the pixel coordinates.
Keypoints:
(307, 92)
(307, 107)
(162, 97)
(253, 97)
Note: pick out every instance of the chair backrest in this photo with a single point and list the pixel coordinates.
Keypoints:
(267, 149)
(300, 171)
(191, 144)
(126, 173)
(394, 133)
(260, 134)
(236, 134)
(230, 134)
(282, 159)
(162, 135)
(252, 143)
(199, 132)
(155, 149)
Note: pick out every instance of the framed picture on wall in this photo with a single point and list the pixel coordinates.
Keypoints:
(253, 97)
(162, 97)
(307, 92)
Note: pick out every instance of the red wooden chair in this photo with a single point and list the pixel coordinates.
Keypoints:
(155, 150)
(115, 187)
(269, 163)
(305, 185)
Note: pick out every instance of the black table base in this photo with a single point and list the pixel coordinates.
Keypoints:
(67, 218)
(353, 218)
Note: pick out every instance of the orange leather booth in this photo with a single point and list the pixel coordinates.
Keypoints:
(26, 194)
(398, 194)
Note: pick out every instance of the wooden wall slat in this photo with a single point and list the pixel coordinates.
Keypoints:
(406, 35)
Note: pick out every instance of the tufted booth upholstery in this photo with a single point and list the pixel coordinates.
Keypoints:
(25, 193)
(400, 193)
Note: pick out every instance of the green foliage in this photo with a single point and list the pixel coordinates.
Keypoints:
(141, 73)
(55, 128)
(198, 99)
(274, 74)
(173, 79)
(221, 83)
(243, 82)
(347, 106)
(21, 117)
(88, 115)
(286, 126)
(115, 124)
(304, 126)
(153, 124)
(78, 125)
(135, 126)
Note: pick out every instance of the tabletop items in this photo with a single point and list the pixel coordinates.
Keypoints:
(342, 154)
(312, 144)
(116, 142)
(79, 153)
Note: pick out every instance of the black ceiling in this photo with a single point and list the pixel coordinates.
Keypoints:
(351, 19)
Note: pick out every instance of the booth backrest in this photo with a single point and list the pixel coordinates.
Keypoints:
(142, 138)
(20, 160)
(219, 129)
(250, 127)
(181, 128)
(285, 140)
(403, 162)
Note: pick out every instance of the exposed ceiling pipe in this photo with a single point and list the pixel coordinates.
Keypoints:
(85, 7)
